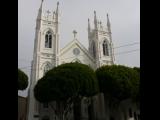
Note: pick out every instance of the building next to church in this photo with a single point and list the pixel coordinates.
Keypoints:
(47, 55)
(22, 108)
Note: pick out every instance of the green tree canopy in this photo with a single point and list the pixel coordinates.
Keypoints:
(66, 80)
(117, 81)
(66, 83)
(22, 80)
(137, 69)
(136, 86)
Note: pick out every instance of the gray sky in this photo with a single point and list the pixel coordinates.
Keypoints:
(124, 17)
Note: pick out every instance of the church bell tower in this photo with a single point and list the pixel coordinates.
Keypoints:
(100, 42)
(101, 49)
(46, 53)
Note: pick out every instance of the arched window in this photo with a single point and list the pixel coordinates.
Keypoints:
(48, 40)
(105, 48)
(46, 68)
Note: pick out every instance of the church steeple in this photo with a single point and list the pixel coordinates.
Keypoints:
(40, 11)
(39, 16)
(57, 17)
(89, 27)
(108, 24)
(100, 42)
(95, 20)
(57, 11)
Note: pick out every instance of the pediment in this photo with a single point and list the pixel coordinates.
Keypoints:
(73, 45)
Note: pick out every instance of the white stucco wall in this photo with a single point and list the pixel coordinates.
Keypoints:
(67, 55)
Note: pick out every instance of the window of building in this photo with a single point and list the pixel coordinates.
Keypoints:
(130, 112)
(105, 48)
(48, 40)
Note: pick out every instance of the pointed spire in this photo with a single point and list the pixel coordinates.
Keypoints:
(57, 17)
(57, 10)
(95, 20)
(41, 5)
(108, 24)
(53, 14)
(40, 11)
(95, 17)
(89, 27)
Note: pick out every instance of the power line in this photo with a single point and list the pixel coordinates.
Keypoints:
(126, 45)
(126, 52)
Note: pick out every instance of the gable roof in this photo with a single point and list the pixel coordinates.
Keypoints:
(73, 42)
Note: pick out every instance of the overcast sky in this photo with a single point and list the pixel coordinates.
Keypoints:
(124, 17)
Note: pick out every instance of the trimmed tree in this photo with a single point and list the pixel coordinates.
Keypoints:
(22, 80)
(117, 82)
(136, 87)
(66, 84)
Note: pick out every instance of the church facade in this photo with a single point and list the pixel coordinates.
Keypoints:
(47, 54)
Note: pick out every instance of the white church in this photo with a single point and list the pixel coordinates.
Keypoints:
(47, 54)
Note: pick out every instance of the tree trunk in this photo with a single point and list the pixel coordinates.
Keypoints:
(77, 109)
(107, 107)
(60, 110)
(91, 114)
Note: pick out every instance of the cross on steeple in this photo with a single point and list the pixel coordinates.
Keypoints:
(74, 32)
